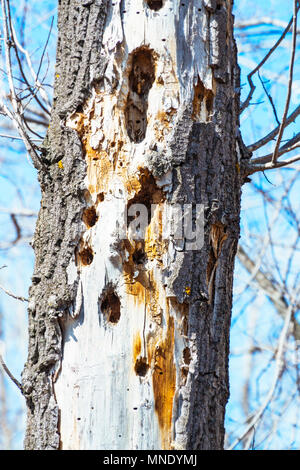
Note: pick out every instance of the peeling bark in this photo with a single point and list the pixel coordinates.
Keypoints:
(129, 337)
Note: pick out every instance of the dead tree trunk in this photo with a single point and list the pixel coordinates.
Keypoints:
(129, 336)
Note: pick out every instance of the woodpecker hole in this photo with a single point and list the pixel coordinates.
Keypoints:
(86, 256)
(111, 307)
(186, 355)
(209, 103)
(139, 256)
(148, 194)
(155, 4)
(90, 217)
(100, 197)
(141, 367)
(141, 78)
(184, 373)
(202, 103)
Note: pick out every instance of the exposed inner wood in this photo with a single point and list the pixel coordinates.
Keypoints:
(164, 380)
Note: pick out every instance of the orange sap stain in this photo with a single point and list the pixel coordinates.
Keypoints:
(155, 246)
(164, 381)
(137, 346)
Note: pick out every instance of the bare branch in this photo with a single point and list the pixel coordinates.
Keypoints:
(279, 365)
(269, 98)
(17, 227)
(263, 20)
(29, 63)
(37, 121)
(15, 137)
(10, 375)
(30, 147)
(16, 114)
(19, 212)
(289, 93)
(249, 77)
(292, 144)
(17, 297)
(250, 169)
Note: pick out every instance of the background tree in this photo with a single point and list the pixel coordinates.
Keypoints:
(20, 197)
(133, 135)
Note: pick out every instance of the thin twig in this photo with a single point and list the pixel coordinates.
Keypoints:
(45, 47)
(250, 169)
(269, 98)
(17, 297)
(16, 114)
(6, 369)
(29, 63)
(15, 137)
(17, 227)
(274, 132)
(270, 287)
(20, 212)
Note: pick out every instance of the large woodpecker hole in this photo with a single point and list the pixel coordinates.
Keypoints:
(155, 4)
(202, 103)
(148, 194)
(141, 78)
(110, 306)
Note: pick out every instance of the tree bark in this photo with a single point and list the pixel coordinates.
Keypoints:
(129, 338)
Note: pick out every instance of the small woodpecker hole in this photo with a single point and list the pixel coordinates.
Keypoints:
(100, 197)
(184, 373)
(186, 355)
(111, 307)
(141, 367)
(155, 4)
(86, 256)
